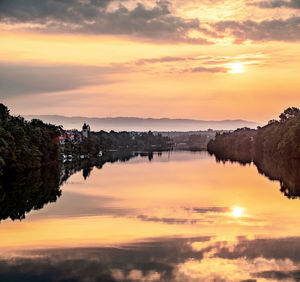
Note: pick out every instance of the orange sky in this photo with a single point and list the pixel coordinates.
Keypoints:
(177, 59)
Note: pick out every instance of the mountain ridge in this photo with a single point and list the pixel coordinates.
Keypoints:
(143, 124)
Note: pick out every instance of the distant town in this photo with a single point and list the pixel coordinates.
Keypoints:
(191, 140)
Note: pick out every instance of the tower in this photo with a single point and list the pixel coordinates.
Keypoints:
(85, 130)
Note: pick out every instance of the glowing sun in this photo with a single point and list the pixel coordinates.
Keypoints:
(237, 211)
(237, 68)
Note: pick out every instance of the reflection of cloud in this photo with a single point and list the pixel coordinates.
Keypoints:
(135, 275)
(145, 261)
(218, 269)
(282, 248)
(170, 220)
(186, 215)
(79, 205)
(161, 259)
(241, 260)
(277, 275)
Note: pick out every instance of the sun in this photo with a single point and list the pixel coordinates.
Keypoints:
(237, 211)
(237, 68)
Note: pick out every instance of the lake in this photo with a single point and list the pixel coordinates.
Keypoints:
(172, 216)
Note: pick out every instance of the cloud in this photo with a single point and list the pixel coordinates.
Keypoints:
(167, 59)
(293, 4)
(71, 11)
(22, 79)
(187, 60)
(210, 210)
(157, 23)
(201, 63)
(267, 30)
(211, 70)
(95, 17)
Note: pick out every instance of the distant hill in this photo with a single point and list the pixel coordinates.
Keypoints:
(143, 124)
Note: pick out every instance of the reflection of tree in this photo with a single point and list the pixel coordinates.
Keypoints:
(287, 172)
(87, 165)
(20, 192)
(31, 190)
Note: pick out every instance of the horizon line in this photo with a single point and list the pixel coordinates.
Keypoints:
(143, 118)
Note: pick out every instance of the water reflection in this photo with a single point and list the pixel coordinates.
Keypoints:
(87, 165)
(20, 193)
(205, 221)
(287, 172)
(162, 259)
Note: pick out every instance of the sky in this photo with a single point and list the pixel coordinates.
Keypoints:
(200, 59)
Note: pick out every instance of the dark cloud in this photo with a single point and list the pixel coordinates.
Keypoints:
(167, 59)
(211, 70)
(21, 79)
(72, 11)
(267, 30)
(156, 23)
(293, 4)
(210, 210)
(93, 17)
(188, 60)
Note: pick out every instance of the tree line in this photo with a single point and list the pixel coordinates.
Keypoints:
(32, 144)
(25, 144)
(278, 139)
(117, 141)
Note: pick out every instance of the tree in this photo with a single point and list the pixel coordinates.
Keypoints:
(289, 113)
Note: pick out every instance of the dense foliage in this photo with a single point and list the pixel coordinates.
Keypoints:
(117, 141)
(278, 139)
(145, 141)
(237, 145)
(25, 145)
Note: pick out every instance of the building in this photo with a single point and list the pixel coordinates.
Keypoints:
(85, 130)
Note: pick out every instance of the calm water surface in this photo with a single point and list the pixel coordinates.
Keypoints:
(180, 216)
